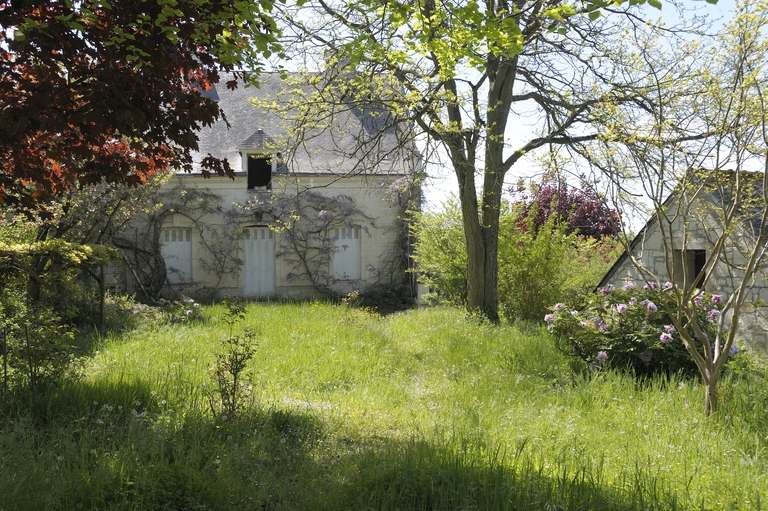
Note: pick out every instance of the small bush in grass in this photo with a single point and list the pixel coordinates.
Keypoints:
(629, 328)
(232, 384)
(123, 312)
(184, 311)
(38, 355)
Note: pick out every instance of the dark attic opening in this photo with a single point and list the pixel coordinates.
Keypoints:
(259, 172)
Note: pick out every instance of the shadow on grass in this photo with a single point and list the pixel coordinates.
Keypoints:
(419, 475)
(119, 448)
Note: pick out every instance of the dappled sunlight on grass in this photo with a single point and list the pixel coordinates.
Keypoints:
(423, 409)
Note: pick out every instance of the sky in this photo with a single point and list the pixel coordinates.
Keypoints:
(441, 182)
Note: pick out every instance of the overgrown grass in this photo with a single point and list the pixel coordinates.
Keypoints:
(425, 409)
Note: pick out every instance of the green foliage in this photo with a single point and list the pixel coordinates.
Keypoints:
(16, 229)
(630, 329)
(38, 355)
(532, 273)
(440, 253)
(537, 267)
(54, 268)
(56, 259)
(232, 385)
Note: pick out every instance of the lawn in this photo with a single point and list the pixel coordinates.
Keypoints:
(424, 409)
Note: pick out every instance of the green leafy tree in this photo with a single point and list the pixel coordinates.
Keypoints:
(455, 74)
(440, 252)
(537, 267)
(697, 156)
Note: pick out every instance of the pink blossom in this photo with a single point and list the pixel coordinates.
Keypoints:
(651, 307)
(717, 299)
(621, 308)
(665, 337)
(549, 318)
(559, 306)
(714, 314)
(602, 356)
(606, 289)
(628, 286)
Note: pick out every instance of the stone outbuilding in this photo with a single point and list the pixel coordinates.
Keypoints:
(678, 249)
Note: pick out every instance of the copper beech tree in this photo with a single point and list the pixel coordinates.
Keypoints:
(94, 90)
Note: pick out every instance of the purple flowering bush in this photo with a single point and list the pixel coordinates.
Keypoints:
(184, 311)
(629, 328)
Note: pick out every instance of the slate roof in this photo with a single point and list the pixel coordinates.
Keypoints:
(255, 129)
(258, 139)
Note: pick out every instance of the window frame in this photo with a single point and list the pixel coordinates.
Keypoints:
(688, 265)
(271, 158)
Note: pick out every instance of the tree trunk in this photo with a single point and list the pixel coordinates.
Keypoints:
(710, 390)
(482, 258)
(475, 244)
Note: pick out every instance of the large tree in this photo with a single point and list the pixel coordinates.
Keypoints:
(115, 90)
(455, 73)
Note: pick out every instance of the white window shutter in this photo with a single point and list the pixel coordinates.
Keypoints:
(177, 254)
(346, 254)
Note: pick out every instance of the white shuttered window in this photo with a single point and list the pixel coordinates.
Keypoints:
(346, 255)
(176, 247)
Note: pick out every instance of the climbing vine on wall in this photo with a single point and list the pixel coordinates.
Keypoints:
(305, 219)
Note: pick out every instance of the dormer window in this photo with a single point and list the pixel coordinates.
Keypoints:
(259, 168)
(259, 160)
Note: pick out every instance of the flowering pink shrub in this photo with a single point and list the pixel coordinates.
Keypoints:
(629, 328)
(184, 311)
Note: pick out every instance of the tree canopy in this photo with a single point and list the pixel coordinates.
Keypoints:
(115, 90)
(458, 73)
(581, 209)
(696, 157)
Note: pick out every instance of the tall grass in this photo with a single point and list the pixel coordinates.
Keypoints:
(426, 409)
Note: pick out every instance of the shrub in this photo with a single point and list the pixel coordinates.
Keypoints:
(537, 267)
(630, 329)
(233, 385)
(37, 355)
(441, 253)
(184, 311)
(530, 263)
(581, 209)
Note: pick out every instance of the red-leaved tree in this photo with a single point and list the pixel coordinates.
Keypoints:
(96, 89)
(582, 209)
